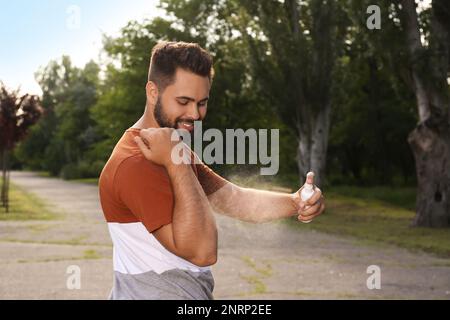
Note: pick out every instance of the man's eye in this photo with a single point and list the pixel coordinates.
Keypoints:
(183, 103)
(202, 104)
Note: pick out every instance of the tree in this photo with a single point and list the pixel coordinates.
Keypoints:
(428, 46)
(414, 43)
(291, 52)
(373, 109)
(62, 142)
(122, 94)
(17, 115)
(296, 66)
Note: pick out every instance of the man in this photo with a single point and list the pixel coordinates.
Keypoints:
(160, 214)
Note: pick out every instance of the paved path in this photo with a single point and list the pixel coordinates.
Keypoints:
(265, 261)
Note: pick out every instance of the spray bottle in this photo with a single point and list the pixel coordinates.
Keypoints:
(307, 192)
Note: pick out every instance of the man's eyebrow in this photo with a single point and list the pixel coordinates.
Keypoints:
(192, 99)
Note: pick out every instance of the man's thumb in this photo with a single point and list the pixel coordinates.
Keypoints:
(310, 177)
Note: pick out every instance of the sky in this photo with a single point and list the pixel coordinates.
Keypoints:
(34, 32)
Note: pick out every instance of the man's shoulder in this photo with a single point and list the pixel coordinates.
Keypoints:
(127, 170)
(136, 175)
(138, 167)
(127, 156)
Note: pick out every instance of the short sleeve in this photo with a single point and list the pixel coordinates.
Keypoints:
(208, 179)
(144, 188)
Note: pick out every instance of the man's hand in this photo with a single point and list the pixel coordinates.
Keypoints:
(156, 144)
(311, 208)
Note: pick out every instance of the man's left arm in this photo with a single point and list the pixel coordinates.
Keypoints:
(254, 205)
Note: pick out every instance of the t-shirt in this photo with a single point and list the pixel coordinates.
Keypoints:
(137, 198)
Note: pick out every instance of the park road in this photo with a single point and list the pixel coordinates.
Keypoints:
(256, 261)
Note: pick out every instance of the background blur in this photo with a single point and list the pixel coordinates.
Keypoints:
(96, 90)
(341, 87)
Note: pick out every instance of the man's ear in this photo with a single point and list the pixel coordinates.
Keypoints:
(151, 91)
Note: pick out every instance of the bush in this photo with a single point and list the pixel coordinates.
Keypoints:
(82, 170)
(70, 171)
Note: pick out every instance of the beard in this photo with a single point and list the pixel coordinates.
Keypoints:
(161, 117)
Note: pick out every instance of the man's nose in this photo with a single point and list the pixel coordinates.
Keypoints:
(192, 112)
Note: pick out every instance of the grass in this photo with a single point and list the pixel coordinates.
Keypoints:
(256, 281)
(373, 215)
(37, 228)
(25, 206)
(266, 271)
(72, 242)
(91, 254)
(258, 286)
(404, 197)
(378, 216)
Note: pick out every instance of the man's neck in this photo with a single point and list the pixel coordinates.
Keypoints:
(146, 121)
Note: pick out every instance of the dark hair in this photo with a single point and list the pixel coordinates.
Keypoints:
(168, 56)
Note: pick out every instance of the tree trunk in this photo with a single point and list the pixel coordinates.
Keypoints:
(3, 192)
(430, 140)
(319, 144)
(432, 155)
(7, 181)
(3, 181)
(306, 62)
(304, 155)
(312, 148)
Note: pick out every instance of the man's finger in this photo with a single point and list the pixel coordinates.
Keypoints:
(317, 195)
(311, 210)
(310, 218)
(322, 208)
(144, 149)
(307, 219)
(146, 133)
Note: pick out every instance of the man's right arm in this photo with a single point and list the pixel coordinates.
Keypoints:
(192, 235)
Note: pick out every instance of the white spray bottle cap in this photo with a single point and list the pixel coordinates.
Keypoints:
(308, 188)
(307, 192)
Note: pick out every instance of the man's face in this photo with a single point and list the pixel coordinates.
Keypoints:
(183, 102)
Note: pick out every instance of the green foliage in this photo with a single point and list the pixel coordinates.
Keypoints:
(81, 170)
(370, 124)
(66, 134)
(263, 69)
(122, 94)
